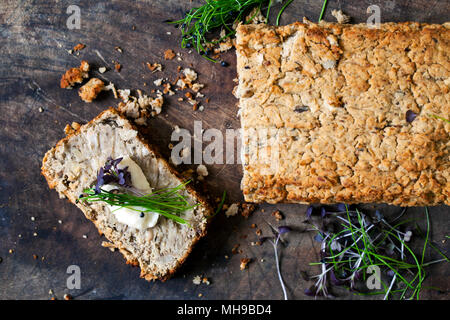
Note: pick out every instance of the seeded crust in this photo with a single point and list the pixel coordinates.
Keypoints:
(328, 104)
(72, 165)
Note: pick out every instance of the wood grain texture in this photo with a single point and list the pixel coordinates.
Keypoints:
(33, 50)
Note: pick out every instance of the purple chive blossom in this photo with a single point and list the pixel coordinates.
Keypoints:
(410, 116)
(110, 173)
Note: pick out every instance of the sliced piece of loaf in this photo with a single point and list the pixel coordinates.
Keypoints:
(72, 166)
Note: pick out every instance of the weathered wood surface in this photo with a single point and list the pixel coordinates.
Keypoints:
(33, 50)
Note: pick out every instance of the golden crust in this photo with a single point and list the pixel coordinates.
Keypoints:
(327, 104)
(92, 217)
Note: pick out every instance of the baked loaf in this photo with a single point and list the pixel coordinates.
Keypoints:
(342, 113)
(72, 166)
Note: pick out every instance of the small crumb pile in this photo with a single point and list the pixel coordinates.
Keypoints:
(139, 108)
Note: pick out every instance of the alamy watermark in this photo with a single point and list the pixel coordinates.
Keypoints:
(74, 20)
(74, 280)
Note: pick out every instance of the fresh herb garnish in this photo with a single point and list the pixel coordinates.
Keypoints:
(277, 232)
(323, 10)
(216, 14)
(440, 118)
(110, 173)
(168, 202)
(353, 243)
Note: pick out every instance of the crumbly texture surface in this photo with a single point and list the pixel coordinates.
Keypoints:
(72, 166)
(323, 113)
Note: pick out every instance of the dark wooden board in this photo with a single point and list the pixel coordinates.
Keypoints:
(34, 41)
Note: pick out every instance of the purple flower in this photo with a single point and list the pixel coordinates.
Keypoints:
(109, 173)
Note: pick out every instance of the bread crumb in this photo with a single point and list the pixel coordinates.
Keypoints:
(158, 82)
(67, 297)
(278, 215)
(154, 67)
(232, 210)
(169, 54)
(117, 66)
(79, 47)
(91, 89)
(247, 209)
(202, 170)
(102, 69)
(41, 110)
(244, 263)
(340, 16)
(197, 280)
(75, 75)
(119, 49)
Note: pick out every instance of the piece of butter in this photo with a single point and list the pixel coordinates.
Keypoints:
(135, 217)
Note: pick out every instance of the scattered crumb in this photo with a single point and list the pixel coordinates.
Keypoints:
(67, 297)
(84, 236)
(111, 87)
(35, 257)
(232, 210)
(41, 110)
(278, 215)
(202, 170)
(33, 218)
(258, 232)
(158, 82)
(79, 47)
(11, 251)
(35, 234)
(117, 66)
(91, 89)
(253, 226)
(154, 67)
(255, 243)
(235, 249)
(140, 108)
(197, 280)
(247, 209)
(75, 75)
(244, 263)
(60, 221)
(119, 49)
(206, 281)
(102, 69)
(169, 54)
(340, 16)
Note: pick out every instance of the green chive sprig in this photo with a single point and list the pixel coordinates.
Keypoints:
(167, 202)
(356, 243)
(215, 15)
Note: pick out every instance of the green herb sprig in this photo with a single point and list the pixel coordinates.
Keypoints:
(356, 243)
(167, 202)
(440, 118)
(216, 14)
